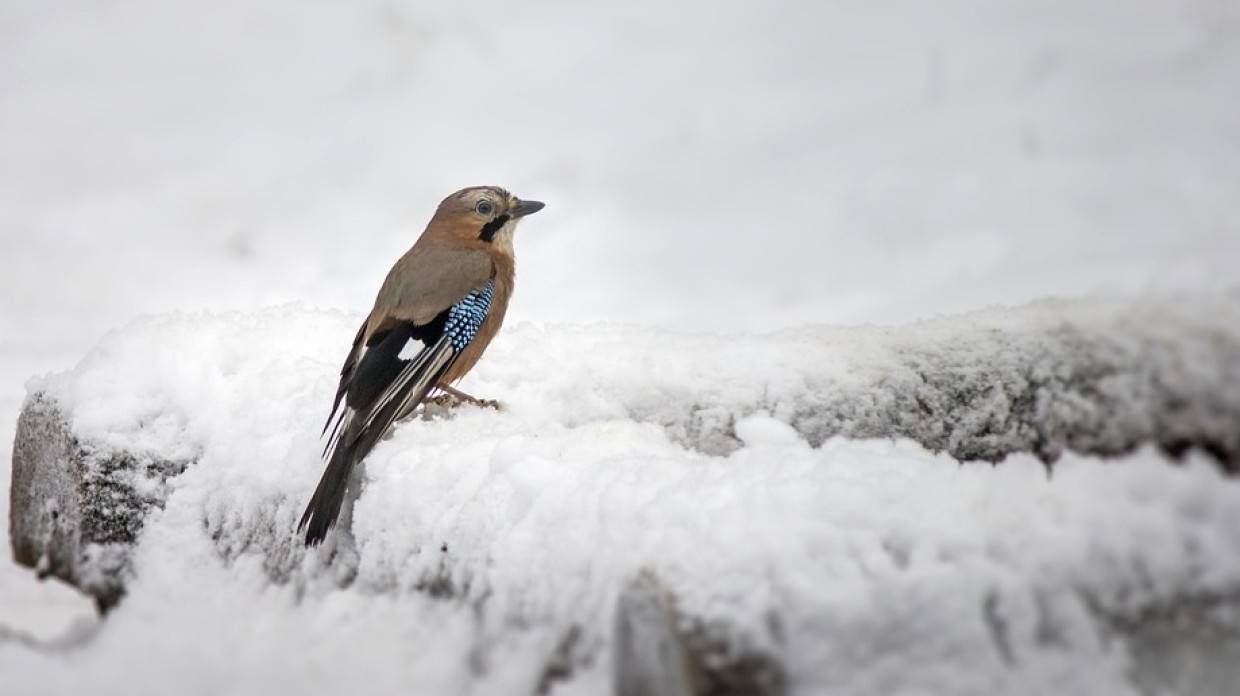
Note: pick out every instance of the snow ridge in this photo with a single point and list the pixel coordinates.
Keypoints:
(497, 543)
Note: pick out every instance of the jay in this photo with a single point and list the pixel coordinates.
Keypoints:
(435, 314)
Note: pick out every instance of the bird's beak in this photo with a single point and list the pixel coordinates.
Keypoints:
(524, 208)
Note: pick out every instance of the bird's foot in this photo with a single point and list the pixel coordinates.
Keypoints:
(459, 397)
(442, 405)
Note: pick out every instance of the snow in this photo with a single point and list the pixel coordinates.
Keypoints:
(727, 167)
(483, 539)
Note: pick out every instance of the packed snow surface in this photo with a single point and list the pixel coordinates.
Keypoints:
(482, 539)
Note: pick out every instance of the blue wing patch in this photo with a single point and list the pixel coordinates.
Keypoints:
(466, 316)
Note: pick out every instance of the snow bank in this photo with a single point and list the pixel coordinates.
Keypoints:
(491, 547)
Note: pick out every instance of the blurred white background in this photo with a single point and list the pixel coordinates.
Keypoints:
(726, 166)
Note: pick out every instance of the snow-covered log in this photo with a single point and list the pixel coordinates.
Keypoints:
(174, 460)
(76, 509)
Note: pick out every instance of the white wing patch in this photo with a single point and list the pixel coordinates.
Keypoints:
(412, 347)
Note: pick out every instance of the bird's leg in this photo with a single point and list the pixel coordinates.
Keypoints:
(462, 397)
(458, 394)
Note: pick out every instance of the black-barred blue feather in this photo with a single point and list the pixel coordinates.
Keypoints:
(466, 316)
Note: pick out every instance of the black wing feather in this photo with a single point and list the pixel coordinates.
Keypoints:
(376, 389)
(346, 376)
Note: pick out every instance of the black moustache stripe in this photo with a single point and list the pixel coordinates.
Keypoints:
(492, 228)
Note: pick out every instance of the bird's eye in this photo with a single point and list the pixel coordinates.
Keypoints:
(484, 207)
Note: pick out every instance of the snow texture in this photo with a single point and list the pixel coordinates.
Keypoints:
(494, 544)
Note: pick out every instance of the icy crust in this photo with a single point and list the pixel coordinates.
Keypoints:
(492, 545)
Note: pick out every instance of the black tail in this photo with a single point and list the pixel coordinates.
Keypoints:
(383, 388)
(324, 507)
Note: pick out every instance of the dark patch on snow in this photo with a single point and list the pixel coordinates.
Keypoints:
(76, 508)
(1187, 644)
(657, 650)
(992, 614)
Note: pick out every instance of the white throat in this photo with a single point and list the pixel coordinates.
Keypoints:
(503, 238)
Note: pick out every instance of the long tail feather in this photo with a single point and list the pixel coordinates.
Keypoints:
(359, 432)
(324, 506)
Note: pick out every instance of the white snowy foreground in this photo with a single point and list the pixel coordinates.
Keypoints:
(491, 544)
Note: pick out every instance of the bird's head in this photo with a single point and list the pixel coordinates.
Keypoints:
(487, 214)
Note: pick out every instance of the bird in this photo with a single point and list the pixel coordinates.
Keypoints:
(434, 316)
